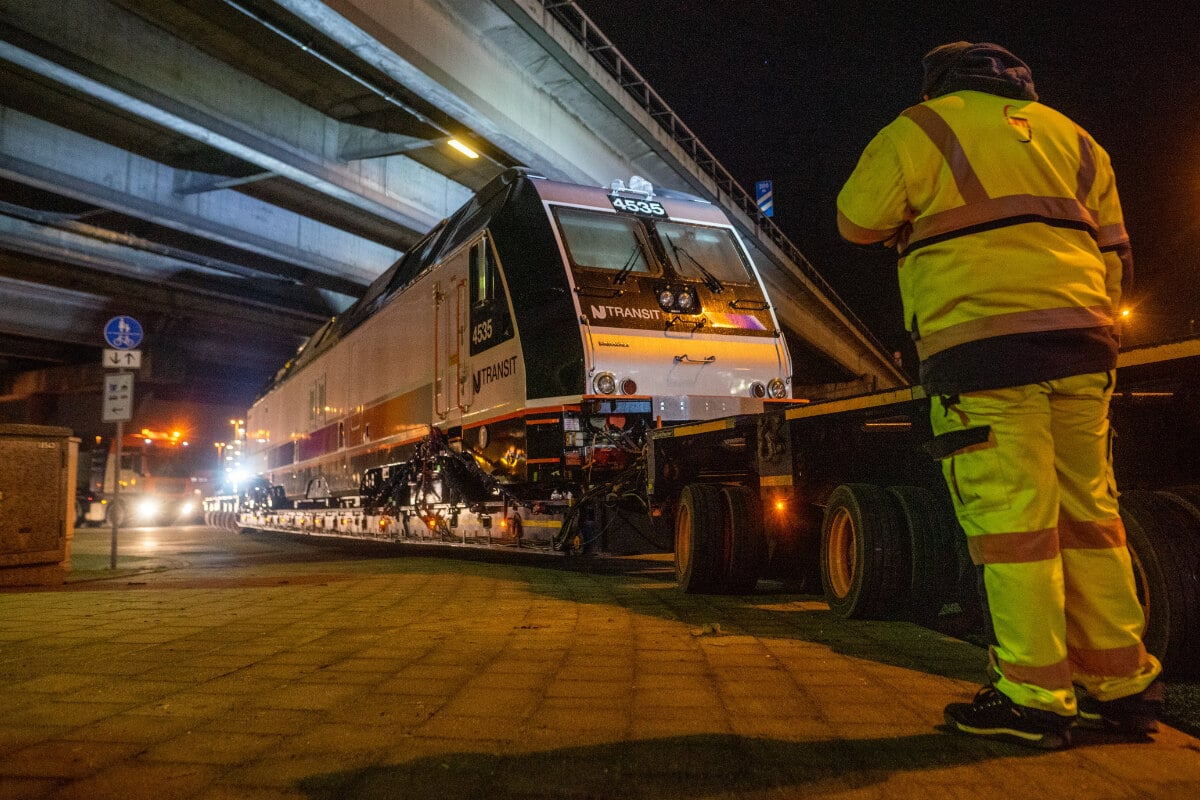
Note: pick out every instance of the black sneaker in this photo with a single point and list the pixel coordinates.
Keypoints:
(993, 714)
(1135, 715)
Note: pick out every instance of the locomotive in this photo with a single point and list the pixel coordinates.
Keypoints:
(503, 373)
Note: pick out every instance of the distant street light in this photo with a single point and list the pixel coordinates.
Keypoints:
(462, 148)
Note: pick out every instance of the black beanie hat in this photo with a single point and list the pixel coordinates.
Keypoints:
(982, 67)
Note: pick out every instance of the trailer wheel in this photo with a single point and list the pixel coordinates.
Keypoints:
(1189, 498)
(1185, 530)
(699, 539)
(864, 552)
(935, 564)
(1165, 574)
(745, 544)
(1187, 537)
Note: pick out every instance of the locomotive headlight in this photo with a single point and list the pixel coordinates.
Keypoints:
(684, 301)
(604, 383)
(776, 389)
(665, 298)
(758, 390)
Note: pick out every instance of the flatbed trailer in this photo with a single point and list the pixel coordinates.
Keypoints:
(840, 497)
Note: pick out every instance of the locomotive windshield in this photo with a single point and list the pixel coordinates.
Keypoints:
(604, 241)
(705, 253)
(621, 244)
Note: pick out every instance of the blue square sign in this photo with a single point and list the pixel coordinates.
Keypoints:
(764, 192)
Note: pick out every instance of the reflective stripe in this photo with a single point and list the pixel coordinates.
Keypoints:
(1113, 662)
(1087, 170)
(1099, 534)
(946, 141)
(1015, 209)
(1112, 235)
(1051, 676)
(982, 210)
(1041, 319)
(1014, 548)
(858, 234)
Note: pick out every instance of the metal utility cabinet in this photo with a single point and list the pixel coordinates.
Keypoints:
(37, 517)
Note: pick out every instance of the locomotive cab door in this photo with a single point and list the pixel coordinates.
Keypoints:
(451, 358)
(472, 317)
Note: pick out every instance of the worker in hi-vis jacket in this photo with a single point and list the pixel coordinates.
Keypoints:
(1013, 260)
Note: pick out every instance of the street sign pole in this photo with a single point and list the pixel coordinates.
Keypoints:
(118, 408)
(116, 498)
(123, 334)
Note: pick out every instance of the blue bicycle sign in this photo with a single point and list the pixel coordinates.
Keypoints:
(123, 333)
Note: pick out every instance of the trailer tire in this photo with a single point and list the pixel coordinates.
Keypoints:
(1189, 498)
(1187, 537)
(745, 542)
(934, 558)
(1165, 576)
(699, 539)
(864, 552)
(1185, 530)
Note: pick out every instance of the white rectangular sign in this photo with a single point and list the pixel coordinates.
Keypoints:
(118, 397)
(122, 359)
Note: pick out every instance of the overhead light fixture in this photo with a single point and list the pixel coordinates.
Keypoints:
(462, 148)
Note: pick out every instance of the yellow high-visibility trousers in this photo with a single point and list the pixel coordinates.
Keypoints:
(1030, 472)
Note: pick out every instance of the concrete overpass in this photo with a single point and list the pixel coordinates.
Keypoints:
(233, 172)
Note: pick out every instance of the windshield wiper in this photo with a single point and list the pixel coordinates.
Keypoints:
(623, 273)
(710, 280)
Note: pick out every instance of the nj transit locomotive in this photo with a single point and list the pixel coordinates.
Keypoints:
(508, 366)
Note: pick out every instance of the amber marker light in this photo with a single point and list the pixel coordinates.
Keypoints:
(780, 505)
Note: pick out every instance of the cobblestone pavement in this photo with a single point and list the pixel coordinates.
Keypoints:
(291, 671)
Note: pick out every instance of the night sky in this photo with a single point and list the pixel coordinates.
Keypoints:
(792, 92)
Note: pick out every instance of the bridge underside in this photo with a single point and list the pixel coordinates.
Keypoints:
(233, 172)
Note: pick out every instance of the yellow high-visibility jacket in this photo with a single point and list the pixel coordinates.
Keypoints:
(1013, 249)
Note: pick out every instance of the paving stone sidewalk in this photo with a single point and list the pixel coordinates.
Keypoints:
(425, 677)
